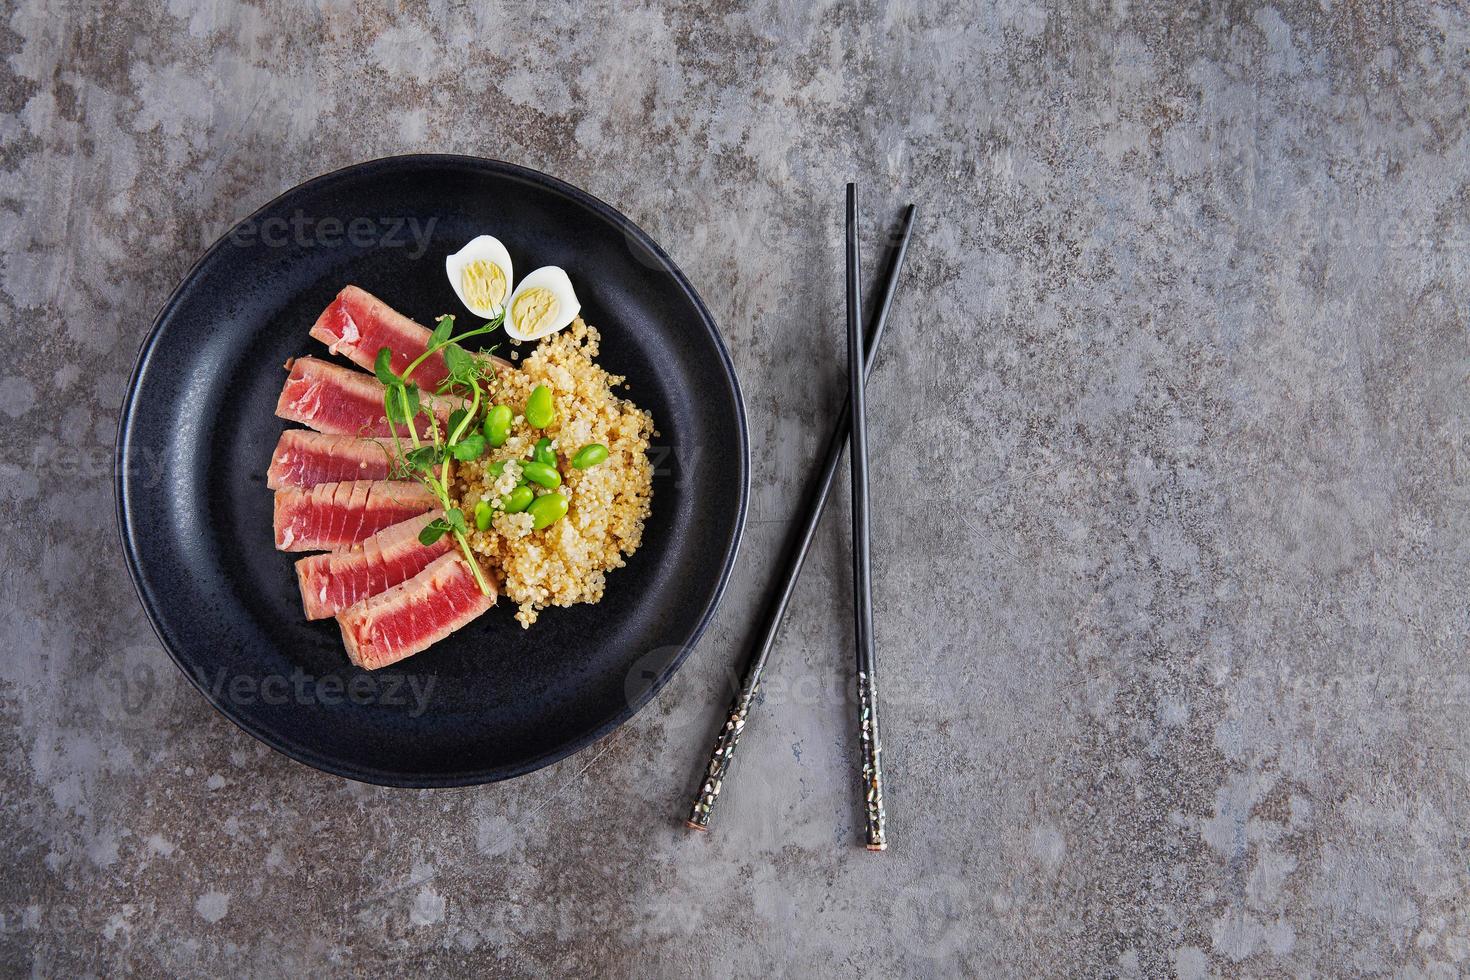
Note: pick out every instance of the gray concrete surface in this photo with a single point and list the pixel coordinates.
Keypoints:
(1171, 439)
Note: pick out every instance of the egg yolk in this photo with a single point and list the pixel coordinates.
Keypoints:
(483, 284)
(535, 311)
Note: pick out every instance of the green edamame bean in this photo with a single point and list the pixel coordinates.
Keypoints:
(544, 453)
(497, 425)
(590, 455)
(540, 473)
(497, 468)
(483, 515)
(519, 499)
(540, 409)
(547, 509)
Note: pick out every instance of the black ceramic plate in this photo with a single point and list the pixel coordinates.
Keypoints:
(198, 428)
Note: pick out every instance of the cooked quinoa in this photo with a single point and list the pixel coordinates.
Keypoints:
(565, 563)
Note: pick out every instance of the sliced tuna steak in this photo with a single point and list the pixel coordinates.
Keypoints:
(304, 458)
(357, 325)
(333, 581)
(339, 515)
(340, 401)
(413, 615)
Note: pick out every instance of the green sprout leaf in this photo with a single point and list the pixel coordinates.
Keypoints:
(461, 364)
(424, 457)
(470, 447)
(455, 518)
(441, 331)
(397, 412)
(413, 400)
(396, 397)
(436, 529)
(383, 367)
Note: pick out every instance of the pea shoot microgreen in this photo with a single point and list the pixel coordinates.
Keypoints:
(423, 458)
(452, 522)
(469, 448)
(460, 439)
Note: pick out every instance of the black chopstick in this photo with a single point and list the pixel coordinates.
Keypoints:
(862, 585)
(797, 546)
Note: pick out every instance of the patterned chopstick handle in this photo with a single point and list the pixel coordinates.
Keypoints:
(877, 829)
(719, 760)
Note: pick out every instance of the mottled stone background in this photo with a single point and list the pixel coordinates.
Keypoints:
(1171, 445)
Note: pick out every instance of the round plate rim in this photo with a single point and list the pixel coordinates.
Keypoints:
(301, 753)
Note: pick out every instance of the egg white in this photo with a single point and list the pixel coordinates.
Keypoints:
(489, 249)
(554, 279)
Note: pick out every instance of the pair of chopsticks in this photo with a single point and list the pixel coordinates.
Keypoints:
(850, 421)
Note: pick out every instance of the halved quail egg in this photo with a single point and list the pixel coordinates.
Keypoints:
(542, 304)
(481, 275)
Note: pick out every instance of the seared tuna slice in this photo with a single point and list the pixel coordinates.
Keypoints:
(304, 458)
(340, 401)
(333, 581)
(357, 325)
(339, 515)
(413, 615)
